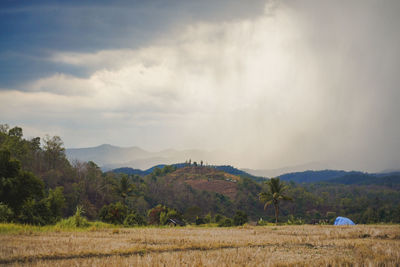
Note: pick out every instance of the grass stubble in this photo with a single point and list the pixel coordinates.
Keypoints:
(304, 245)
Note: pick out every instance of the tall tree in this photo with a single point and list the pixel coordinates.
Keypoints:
(274, 195)
(54, 152)
(124, 188)
(16, 185)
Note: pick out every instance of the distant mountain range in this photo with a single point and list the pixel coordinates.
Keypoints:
(291, 169)
(134, 160)
(315, 176)
(109, 157)
(390, 179)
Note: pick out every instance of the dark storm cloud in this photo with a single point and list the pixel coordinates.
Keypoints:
(31, 30)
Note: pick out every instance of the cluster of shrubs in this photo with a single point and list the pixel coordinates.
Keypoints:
(118, 213)
(239, 218)
(23, 197)
(77, 220)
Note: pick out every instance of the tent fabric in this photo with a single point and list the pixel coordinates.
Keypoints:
(343, 221)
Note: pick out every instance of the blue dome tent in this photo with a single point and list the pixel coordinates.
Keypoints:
(343, 221)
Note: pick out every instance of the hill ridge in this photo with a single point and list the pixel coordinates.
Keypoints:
(225, 168)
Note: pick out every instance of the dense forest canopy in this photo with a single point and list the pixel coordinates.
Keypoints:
(38, 185)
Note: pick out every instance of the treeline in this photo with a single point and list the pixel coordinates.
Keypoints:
(318, 202)
(38, 185)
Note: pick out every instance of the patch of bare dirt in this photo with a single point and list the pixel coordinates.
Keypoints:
(224, 187)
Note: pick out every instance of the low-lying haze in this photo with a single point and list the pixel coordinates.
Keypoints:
(275, 84)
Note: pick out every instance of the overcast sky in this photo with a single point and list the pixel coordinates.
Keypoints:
(270, 83)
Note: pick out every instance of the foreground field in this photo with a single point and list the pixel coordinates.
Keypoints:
(243, 246)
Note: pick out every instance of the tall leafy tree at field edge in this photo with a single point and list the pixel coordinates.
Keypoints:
(124, 188)
(274, 195)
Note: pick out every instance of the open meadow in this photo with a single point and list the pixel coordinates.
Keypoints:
(368, 245)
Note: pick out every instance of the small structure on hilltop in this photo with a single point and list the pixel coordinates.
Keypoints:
(175, 222)
(343, 221)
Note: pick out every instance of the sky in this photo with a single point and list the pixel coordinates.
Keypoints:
(269, 83)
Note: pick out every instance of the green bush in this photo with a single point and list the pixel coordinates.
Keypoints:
(154, 214)
(208, 218)
(56, 203)
(134, 219)
(171, 214)
(261, 222)
(331, 215)
(240, 218)
(75, 221)
(227, 222)
(6, 214)
(218, 218)
(113, 213)
(34, 212)
(294, 221)
(161, 214)
(200, 220)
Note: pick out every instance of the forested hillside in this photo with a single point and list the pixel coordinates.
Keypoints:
(225, 168)
(39, 185)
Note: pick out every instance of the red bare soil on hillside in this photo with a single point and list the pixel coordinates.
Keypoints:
(206, 178)
(218, 186)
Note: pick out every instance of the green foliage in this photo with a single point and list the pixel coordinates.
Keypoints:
(34, 212)
(192, 213)
(240, 218)
(261, 222)
(17, 186)
(294, 221)
(113, 213)
(124, 188)
(154, 214)
(218, 218)
(274, 195)
(160, 215)
(6, 214)
(226, 222)
(134, 219)
(75, 221)
(39, 186)
(208, 218)
(168, 169)
(331, 214)
(170, 214)
(163, 218)
(200, 220)
(54, 152)
(56, 202)
(157, 172)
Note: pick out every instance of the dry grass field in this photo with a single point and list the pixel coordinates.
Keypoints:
(305, 245)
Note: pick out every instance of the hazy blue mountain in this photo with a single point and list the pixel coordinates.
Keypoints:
(382, 179)
(111, 157)
(344, 177)
(106, 154)
(130, 171)
(291, 169)
(314, 176)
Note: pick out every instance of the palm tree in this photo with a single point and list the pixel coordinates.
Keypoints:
(274, 195)
(124, 188)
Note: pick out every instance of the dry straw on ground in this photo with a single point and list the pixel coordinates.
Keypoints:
(244, 246)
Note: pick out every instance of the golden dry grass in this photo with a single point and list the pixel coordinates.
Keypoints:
(304, 245)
